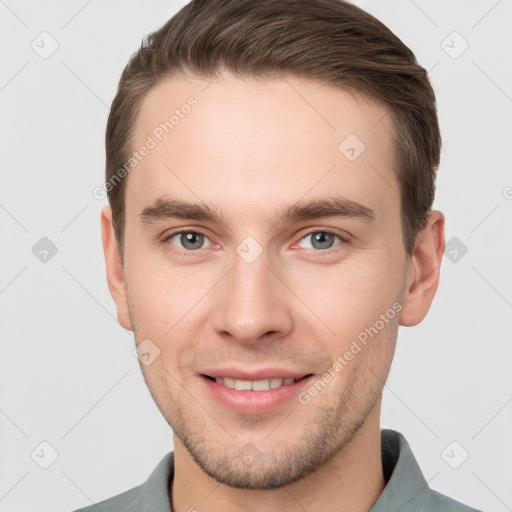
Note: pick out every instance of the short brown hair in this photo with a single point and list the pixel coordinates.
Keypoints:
(329, 40)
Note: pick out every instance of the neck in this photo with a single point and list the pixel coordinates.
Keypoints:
(351, 481)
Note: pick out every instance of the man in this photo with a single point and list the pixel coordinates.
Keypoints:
(271, 170)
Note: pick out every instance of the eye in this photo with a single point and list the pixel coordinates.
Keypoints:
(188, 240)
(321, 240)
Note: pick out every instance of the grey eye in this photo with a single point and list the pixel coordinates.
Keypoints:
(322, 239)
(191, 241)
(188, 240)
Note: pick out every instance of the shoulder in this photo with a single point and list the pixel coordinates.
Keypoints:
(443, 502)
(123, 502)
(406, 488)
(151, 495)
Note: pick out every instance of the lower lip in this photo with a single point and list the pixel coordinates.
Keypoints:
(254, 402)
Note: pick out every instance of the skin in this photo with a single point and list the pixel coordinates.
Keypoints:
(249, 149)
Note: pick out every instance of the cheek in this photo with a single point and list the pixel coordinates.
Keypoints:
(162, 297)
(351, 296)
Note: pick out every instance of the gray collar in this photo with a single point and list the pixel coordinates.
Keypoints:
(406, 489)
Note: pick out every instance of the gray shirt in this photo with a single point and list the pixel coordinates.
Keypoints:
(406, 489)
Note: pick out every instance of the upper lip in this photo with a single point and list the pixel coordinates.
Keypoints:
(264, 373)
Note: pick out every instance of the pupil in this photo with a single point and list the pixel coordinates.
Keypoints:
(192, 240)
(322, 240)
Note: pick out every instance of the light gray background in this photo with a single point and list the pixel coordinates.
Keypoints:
(68, 374)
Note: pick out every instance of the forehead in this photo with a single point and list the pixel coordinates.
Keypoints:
(254, 142)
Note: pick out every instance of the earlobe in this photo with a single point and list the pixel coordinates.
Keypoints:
(423, 271)
(114, 268)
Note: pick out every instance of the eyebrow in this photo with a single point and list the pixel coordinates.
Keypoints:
(171, 208)
(325, 207)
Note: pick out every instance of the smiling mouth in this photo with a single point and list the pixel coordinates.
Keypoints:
(255, 385)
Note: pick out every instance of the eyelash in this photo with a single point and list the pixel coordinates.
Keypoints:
(188, 252)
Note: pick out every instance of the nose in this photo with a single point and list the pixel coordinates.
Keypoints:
(251, 303)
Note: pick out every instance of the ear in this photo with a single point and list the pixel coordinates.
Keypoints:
(423, 271)
(115, 276)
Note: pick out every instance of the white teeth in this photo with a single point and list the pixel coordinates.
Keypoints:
(261, 385)
(229, 383)
(276, 383)
(243, 385)
(254, 385)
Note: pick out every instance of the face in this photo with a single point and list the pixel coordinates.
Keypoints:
(263, 245)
